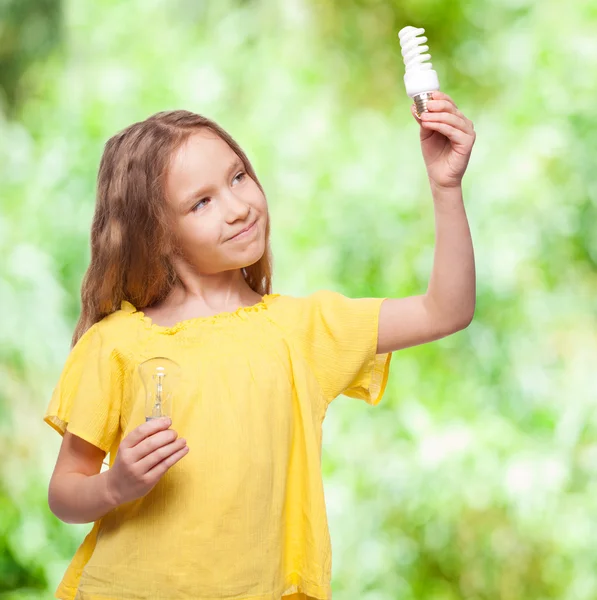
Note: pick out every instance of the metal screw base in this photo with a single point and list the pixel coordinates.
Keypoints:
(421, 102)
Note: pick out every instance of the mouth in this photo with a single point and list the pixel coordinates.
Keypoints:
(245, 232)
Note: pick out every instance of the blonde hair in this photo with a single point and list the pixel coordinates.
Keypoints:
(131, 233)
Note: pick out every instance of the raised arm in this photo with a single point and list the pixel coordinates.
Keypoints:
(447, 138)
(449, 303)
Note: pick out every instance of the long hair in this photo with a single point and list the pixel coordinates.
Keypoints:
(131, 233)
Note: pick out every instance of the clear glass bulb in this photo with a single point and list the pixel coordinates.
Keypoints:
(420, 79)
(160, 376)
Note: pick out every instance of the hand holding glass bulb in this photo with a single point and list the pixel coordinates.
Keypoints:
(152, 448)
(143, 458)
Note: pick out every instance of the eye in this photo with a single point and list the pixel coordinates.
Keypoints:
(242, 175)
(200, 204)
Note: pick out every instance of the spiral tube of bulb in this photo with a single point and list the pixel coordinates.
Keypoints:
(412, 48)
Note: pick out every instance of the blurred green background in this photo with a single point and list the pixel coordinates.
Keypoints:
(475, 477)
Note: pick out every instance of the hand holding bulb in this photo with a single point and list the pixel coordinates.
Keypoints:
(148, 451)
(447, 136)
(143, 457)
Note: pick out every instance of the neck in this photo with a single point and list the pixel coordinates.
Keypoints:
(223, 291)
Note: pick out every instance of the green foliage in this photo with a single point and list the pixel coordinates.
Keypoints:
(475, 476)
(29, 30)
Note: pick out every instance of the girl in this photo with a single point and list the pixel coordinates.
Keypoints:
(224, 500)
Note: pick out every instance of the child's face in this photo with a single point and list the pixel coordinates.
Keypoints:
(214, 199)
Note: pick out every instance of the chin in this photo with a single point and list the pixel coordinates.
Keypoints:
(253, 256)
(243, 258)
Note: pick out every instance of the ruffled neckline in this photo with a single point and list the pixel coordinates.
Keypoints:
(240, 312)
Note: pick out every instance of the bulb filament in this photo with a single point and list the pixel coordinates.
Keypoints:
(157, 407)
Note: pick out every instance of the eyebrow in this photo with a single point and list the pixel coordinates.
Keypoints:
(198, 194)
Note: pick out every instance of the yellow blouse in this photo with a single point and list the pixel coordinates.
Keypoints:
(242, 516)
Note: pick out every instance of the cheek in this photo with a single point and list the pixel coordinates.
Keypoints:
(258, 199)
(197, 235)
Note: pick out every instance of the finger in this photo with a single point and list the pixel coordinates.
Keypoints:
(442, 106)
(160, 468)
(152, 443)
(145, 430)
(449, 118)
(446, 106)
(161, 454)
(444, 98)
(441, 96)
(453, 134)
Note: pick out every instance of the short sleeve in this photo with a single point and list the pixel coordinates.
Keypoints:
(339, 338)
(87, 398)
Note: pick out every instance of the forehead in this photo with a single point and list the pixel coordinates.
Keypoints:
(198, 161)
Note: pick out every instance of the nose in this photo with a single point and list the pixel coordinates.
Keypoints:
(235, 209)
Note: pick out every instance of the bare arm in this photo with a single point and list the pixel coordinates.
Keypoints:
(449, 303)
(78, 492)
(447, 139)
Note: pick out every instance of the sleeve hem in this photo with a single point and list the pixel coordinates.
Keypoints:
(62, 426)
(376, 371)
(373, 389)
(56, 423)
(379, 378)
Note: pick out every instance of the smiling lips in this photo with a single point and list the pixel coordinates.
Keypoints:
(245, 231)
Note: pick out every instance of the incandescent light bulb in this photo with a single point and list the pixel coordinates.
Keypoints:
(160, 376)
